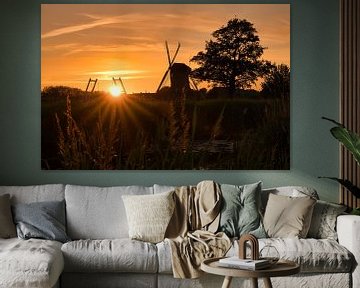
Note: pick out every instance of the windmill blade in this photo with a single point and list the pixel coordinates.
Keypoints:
(163, 79)
(122, 84)
(176, 53)
(168, 52)
(87, 87)
(93, 88)
(192, 81)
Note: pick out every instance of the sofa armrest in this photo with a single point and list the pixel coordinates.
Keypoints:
(348, 230)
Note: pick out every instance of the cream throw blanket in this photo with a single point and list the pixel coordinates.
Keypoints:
(191, 231)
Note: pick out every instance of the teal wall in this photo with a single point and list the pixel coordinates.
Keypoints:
(314, 93)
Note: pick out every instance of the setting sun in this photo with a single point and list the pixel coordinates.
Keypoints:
(115, 91)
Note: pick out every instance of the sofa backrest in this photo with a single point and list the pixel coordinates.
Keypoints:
(36, 193)
(98, 212)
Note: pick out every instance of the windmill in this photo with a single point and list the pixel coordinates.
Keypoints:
(122, 86)
(179, 73)
(93, 82)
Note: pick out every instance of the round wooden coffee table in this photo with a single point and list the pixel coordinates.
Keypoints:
(281, 268)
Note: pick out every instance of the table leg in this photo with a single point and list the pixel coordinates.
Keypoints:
(227, 282)
(267, 283)
(254, 282)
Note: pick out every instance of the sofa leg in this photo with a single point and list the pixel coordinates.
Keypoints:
(227, 282)
(267, 282)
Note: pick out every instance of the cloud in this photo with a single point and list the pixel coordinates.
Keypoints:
(97, 21)
(77, 28)
(116, 72)
(143, 47)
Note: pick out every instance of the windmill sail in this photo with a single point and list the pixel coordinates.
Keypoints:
(170, 61)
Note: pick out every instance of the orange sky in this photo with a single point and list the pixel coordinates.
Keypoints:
(79, 41)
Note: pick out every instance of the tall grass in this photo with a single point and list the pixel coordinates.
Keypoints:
(80, 149)
(178, 134)
(179, 125)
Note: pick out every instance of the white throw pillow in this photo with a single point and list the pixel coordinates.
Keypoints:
(149, 215)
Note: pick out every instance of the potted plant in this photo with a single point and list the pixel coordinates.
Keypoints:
(351, 141)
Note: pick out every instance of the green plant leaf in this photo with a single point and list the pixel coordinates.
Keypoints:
(347, 184)
(348, 138)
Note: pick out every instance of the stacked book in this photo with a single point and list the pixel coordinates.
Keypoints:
(248, 264)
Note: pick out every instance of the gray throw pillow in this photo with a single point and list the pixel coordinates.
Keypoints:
(44, 220)
(7, 227)
(240, 213)
(323, 222)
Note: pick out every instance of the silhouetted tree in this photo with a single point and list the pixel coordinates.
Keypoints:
(232, 58)
(277, 82)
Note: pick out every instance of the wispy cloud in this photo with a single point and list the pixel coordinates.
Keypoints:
(96, 21)
(116, 72)
(81, 27)
(115, 48)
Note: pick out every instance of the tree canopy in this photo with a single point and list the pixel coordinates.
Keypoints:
(232, 58)
(277, 82)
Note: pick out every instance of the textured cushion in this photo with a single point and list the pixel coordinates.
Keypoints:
(117, 255)
(313, 255)
(149, 215)
(287, 216)
(323, 222)
(240, 210)
(37, 193)
(44, 220)
(31, 263)
(7, 227)
(98, 213)
(109, 280)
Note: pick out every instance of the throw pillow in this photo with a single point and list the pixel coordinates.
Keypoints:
(323, 222)
(149, 215)
(240, 210)
(7, 227)
(288, 217)
(43, 220)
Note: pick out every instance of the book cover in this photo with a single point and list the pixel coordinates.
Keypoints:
(236, 262)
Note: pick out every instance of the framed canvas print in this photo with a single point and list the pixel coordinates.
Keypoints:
(165, 86)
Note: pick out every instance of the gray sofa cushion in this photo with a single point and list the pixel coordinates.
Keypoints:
(7, 227)
(117, 255)
(98, 213)
(30, 263)
(37, 193)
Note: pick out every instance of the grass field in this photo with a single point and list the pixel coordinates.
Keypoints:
(96, 131)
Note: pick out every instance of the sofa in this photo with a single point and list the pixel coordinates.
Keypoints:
(100, 253)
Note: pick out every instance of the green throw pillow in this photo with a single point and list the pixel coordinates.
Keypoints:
(240, 210)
